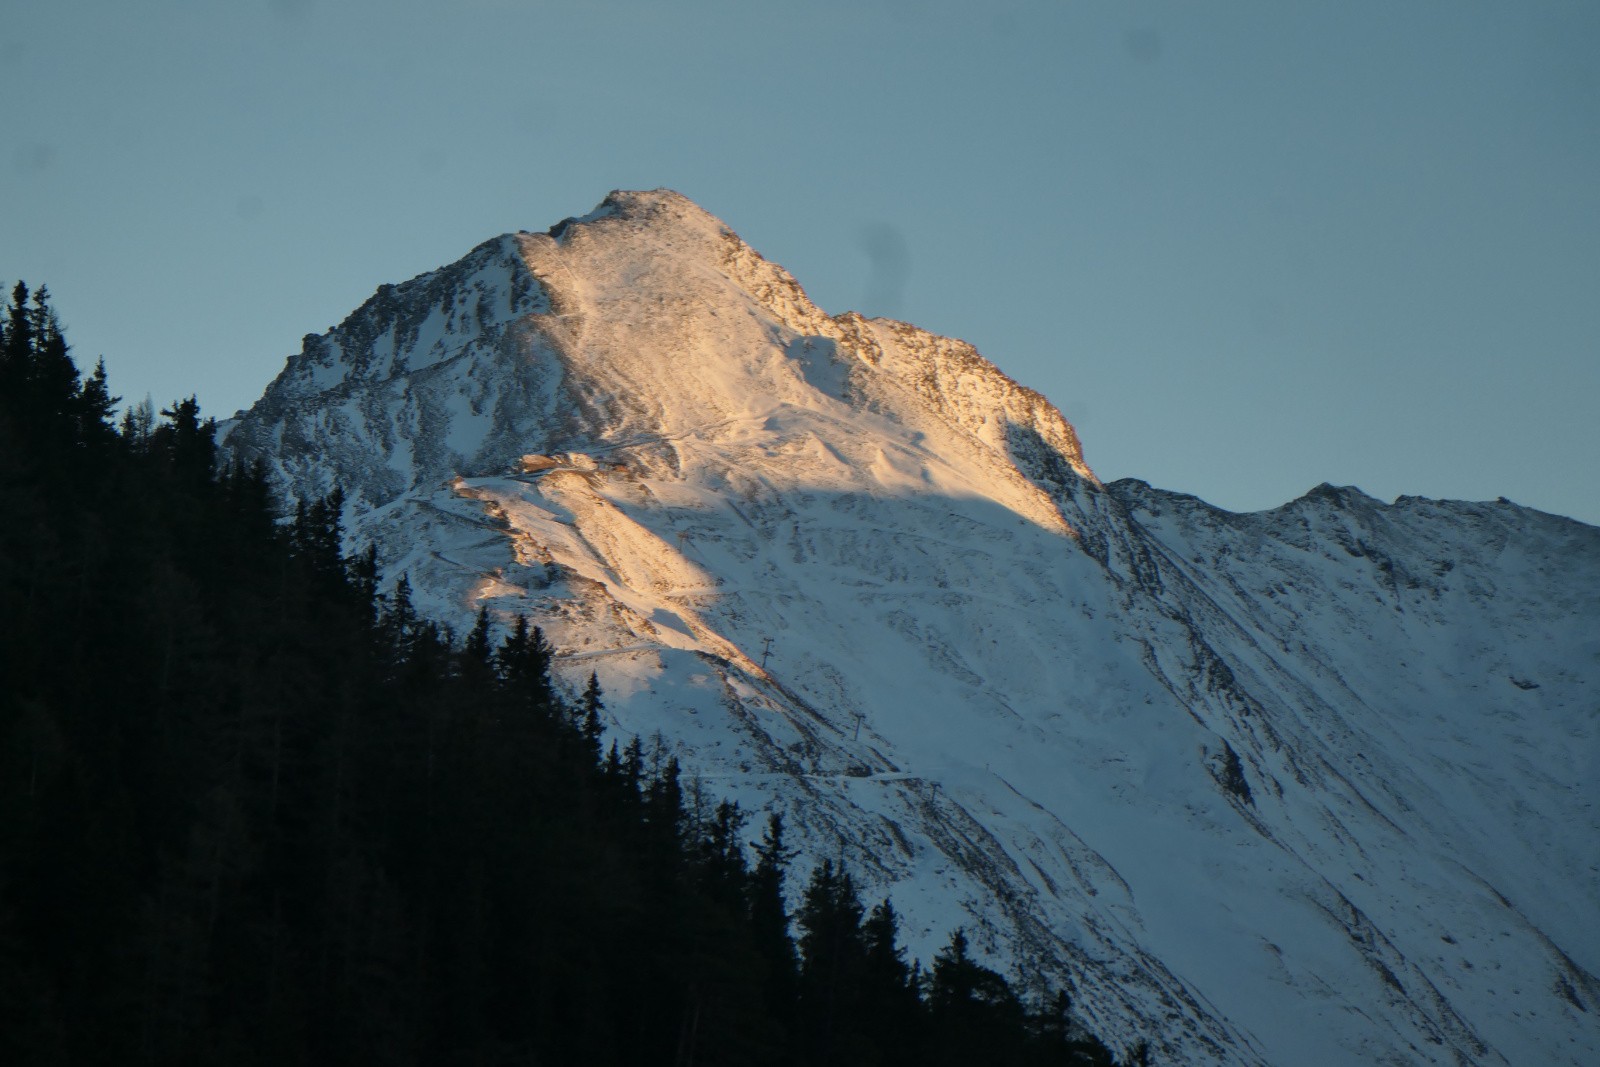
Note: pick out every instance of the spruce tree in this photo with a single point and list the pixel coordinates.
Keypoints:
(833, 955)
(769, 920)
(478, 648)
(588, 713)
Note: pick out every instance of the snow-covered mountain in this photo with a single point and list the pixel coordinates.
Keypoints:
(1309, 786)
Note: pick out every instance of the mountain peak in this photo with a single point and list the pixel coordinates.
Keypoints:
(648, 319)
(644, 207)
(655, 204)
(1282, 787)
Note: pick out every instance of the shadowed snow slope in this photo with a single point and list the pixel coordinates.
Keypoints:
(1303, 787)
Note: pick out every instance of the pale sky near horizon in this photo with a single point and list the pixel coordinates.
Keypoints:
(1245, 247)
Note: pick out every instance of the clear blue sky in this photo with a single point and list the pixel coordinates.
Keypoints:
(1246, 247)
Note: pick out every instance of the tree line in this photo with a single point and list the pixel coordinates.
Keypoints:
(259, 810)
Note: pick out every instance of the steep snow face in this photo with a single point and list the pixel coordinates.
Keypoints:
(1309, 786)
(426, 379)
(1412, 691)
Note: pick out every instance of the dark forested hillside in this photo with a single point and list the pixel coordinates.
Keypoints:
(256, 809)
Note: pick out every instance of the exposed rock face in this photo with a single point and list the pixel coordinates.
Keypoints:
(1308, 786)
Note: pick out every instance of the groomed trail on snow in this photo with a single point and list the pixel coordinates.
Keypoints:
(1307, 786)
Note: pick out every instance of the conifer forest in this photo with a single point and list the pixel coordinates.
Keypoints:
(257, 810)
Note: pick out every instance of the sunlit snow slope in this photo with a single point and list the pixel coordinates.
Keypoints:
(1310, 786)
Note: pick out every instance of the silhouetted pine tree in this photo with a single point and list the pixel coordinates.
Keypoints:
(889, 993)
(587, 714)
(769, 919)
(833, 955)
